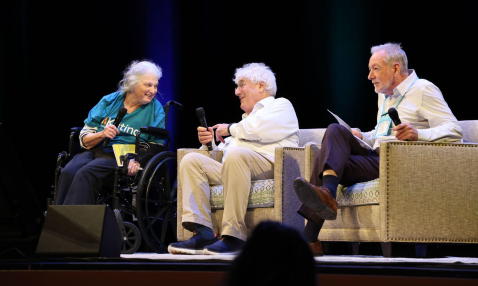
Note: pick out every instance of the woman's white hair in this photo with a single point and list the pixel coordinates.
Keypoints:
(257, 72)
(132, 75)
(393, 54)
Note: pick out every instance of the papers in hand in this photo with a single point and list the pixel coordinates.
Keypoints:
(122, 149)
(341, 122)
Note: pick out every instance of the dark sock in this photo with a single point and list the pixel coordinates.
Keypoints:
(331, 182)
(311, 231)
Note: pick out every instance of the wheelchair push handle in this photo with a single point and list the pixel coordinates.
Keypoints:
(176, 104)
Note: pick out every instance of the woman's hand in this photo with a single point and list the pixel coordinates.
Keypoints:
(133, 167)
(92, 139)
(110, 131)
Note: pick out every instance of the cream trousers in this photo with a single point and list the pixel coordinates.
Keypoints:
(198, 172)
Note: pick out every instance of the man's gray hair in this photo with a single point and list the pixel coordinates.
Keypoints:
(132, 75)
(393, 54)
(257, 72)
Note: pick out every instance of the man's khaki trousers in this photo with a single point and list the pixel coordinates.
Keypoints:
(198, 172)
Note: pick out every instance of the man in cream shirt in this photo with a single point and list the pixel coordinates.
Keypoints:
(268, 122)
(425, 116)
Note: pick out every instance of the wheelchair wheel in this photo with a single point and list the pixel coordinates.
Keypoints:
(132, 240)
(156, 201)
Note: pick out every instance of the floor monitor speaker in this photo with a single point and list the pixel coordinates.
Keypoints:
(80, 231)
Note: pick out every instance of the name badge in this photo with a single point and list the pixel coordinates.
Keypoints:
(384, 124)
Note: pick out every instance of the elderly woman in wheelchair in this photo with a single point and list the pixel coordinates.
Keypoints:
(146, 173)
(82, 178)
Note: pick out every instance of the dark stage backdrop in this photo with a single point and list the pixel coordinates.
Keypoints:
(57, 59)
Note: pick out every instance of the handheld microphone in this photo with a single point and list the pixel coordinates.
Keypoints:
(392, 112)
(121, 113)
(202, 120)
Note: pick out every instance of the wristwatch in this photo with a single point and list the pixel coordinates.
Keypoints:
(229, 128)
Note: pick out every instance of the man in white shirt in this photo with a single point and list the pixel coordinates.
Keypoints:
(424, 114)
(268, 122)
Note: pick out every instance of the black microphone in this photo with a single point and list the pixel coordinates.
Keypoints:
(202, 120)
(392, 112)
(121, 113)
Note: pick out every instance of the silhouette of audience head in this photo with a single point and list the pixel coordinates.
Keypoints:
(274, 255)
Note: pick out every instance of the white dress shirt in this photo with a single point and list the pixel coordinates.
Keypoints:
(424, 107)
(272, 123)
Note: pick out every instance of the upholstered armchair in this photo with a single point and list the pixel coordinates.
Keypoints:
(270, 199)
(426, 193)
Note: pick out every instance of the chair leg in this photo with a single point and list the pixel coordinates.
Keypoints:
(420, 250)
(386, 249)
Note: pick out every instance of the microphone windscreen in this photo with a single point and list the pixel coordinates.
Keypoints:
(200, 112)
(122, 111)
(392, 112)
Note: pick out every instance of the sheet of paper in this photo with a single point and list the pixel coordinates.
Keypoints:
(341, 122)
(122, 149)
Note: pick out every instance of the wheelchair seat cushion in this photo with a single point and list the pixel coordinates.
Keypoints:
(261, 195)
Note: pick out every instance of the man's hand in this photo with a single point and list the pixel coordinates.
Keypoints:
(406, 131)
(357, 133)
(110, 131)
(205, 135)
(133, 167)
(221, 131)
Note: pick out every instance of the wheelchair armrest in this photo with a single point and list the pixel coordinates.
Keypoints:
(75, 133)
(160, 132)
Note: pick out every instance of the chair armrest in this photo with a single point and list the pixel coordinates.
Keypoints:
(428, 191)
(311, 152)
(289, 164)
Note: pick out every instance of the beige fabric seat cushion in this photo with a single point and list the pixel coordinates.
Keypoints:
(261, 196)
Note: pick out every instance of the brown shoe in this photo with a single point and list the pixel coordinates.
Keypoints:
(310, 214)
(316, 248)
(317, 198)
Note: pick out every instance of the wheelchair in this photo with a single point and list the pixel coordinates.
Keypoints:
(144, 204)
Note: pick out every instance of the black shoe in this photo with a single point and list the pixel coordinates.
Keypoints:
(194, 245)
(227, 245)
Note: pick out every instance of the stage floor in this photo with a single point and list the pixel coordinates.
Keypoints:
(346, 264)
(139, 268)
(323, 259)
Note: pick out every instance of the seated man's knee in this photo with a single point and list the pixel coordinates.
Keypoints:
(234, 155)
(335, 128)
(189, 160)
